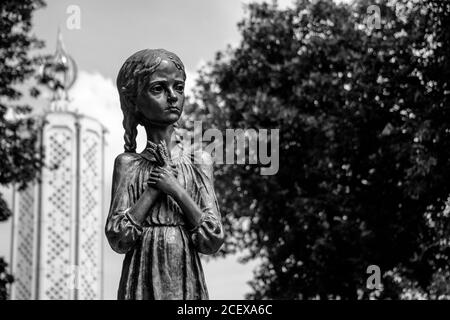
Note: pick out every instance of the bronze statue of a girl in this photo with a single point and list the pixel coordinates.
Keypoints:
(163, 208)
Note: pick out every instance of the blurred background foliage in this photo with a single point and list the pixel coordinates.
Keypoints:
(20, 157)
(364, 147)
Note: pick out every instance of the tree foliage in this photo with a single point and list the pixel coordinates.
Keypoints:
(364, 147)
(20, 158)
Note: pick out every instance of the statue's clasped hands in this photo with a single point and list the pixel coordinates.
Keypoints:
(163, 176)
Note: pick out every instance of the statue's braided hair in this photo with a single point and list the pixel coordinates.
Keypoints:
(133, 77)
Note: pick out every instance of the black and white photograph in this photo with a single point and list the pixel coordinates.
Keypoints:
(245, 151)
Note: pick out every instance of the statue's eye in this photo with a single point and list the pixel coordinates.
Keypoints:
(179, 88)
(156, 88)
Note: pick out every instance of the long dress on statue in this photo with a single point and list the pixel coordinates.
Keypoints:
(162, 260)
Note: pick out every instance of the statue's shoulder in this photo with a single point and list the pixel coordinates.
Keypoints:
(125, 159)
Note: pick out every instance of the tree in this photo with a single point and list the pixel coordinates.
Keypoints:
(364, 146)
(20, 159)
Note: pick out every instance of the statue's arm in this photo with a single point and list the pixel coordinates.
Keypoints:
(127, 214)
(203, 212)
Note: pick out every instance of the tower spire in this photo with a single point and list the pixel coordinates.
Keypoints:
(59, 72)
(59, 41)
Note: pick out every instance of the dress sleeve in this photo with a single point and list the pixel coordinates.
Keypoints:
(121, 230)
(208, 236)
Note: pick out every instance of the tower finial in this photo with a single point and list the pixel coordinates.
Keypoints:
(60, 71)
(59, 41)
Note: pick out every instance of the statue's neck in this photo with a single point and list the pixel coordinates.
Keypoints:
(156, 134)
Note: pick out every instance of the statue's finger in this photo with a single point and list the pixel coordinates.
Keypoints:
(155, 175)
(156, 169)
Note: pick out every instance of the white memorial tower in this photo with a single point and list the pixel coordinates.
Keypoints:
(58, 223)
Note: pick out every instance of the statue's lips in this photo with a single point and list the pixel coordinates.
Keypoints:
(173, 109)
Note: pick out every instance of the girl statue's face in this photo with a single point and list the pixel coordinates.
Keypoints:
(161, 100)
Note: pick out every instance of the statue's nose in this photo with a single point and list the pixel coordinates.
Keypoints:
(171, 97)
